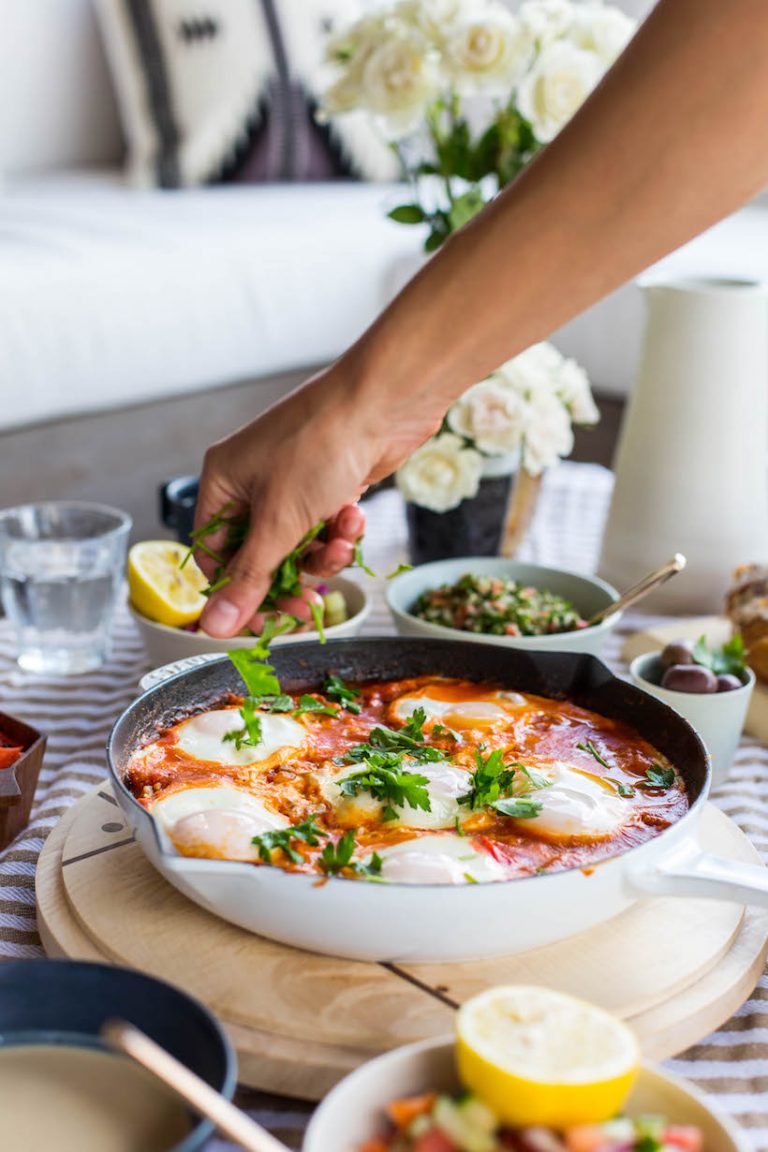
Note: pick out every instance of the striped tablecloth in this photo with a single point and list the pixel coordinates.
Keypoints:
(732, 1064)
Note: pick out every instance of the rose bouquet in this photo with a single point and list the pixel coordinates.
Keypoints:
(522, 415)
(525, 408)
(467, 93)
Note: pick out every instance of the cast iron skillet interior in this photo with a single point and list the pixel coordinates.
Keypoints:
(578, 677)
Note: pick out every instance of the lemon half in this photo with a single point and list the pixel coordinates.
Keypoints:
(160, 588)
(538, 1057)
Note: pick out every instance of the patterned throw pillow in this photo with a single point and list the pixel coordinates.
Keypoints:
(213, 90)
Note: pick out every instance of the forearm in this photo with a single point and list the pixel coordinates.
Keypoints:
(672, 141)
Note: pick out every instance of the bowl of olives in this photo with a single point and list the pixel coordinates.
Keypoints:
(709, 685)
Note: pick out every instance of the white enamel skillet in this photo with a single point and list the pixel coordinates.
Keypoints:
(435, 923)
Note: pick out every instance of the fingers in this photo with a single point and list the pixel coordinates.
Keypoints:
(250, 574)
(338, 552)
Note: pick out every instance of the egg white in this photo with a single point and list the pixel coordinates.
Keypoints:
(202, 737)
(445, 785)
(217, 820)
(439, 859)
(459, 714)
(576, 805)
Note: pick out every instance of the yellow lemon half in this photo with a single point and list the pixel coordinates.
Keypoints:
(537, 1057)
(160, 588)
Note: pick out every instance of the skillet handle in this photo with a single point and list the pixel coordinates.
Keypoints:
(160, 675)
(687, 871)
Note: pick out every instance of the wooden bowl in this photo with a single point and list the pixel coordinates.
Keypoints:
(18, 782)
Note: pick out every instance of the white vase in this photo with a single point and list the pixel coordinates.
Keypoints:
(692, 460)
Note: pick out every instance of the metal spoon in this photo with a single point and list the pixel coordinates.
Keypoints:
(203, 1099)
(641, 589)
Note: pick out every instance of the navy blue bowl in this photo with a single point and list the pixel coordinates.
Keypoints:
(68, 1001)
(177, 506)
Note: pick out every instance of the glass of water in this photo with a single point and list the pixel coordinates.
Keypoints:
(61, 569)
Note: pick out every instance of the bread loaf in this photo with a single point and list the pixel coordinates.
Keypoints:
(746, 605)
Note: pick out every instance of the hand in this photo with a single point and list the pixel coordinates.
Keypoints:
(307, 459)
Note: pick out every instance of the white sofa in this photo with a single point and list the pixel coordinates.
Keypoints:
(112, 297)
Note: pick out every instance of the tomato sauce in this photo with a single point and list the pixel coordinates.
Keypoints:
(530, 730)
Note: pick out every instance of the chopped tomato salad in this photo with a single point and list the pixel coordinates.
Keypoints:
(439, 1123)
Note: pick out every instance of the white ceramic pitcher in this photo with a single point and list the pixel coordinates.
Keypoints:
(692, 461)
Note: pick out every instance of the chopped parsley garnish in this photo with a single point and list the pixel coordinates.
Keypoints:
(518, 806)
(489, 782)
(459, 826)
(286, 578)
(399, 571)
(440, 732)
(307, 832)
(469, 879)
(659, 777)
(359, 561)
(336, 689)
(493, 780)
(258, 676)
(336, 856)
(372, 868)
(592, 750)
(625, 790)
(281, 703)
(385, 778)
(312, 704)
(250, 733)
(407, 740)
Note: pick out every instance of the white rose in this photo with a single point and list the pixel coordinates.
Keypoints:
(441, 473)
(546, 20)
(573, 389)
(488, 54)
(603, 30)
(556, 86)
(490, 415)
(399, 79)
(437, 18)
(537, 361)
(548, 433)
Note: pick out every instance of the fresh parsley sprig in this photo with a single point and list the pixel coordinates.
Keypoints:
(335, 857)
(387, 780)
(727, 659)
(494, 781)
(250, 734)
(518, 806)
(317, 707)
(659, 777)
(408, 740)
(336, 689)
(590, 748)
(490, 780)
(281, 840)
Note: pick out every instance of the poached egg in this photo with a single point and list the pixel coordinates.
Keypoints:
(217, 821)
(202, 737)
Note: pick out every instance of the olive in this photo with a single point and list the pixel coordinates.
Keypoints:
(689, 678)
(677, 652)
(727, 682)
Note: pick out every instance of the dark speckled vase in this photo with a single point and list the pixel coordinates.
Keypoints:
(472, 529)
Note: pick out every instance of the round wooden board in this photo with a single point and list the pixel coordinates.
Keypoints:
(675, 969)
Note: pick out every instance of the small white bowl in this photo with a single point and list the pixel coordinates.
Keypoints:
(354, 1111)
(718, 717)
(587, 594)
(165, 645)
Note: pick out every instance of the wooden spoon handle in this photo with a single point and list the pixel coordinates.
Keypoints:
(642, 588)
(200, 1096)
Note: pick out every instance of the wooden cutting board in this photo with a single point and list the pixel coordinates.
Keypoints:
(675, 969)
(717, 630)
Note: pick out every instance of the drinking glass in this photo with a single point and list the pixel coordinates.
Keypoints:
(61, 569)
